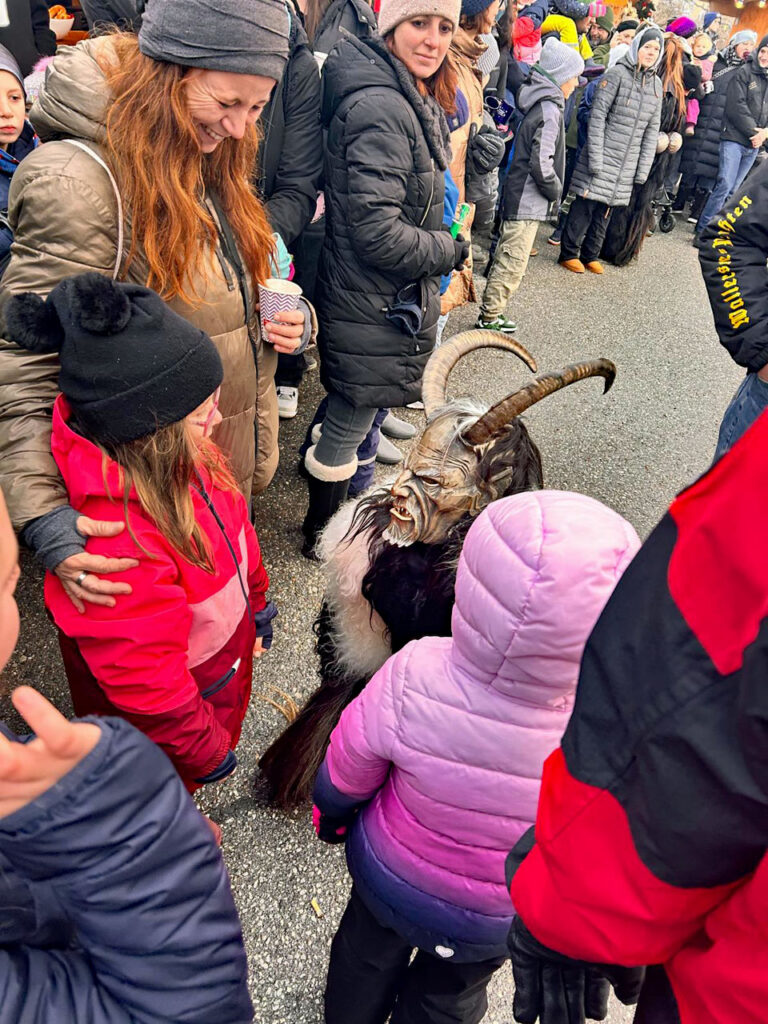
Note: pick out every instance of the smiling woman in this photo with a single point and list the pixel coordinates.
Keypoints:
(156, 190)
(224, 105)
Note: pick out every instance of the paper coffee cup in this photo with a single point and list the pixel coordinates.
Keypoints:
(276, 295)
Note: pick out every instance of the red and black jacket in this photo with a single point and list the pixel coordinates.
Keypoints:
(652, 826)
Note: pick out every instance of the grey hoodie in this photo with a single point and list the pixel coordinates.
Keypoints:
(534, 183)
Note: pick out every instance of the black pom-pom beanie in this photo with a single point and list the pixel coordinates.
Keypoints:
(128, 364)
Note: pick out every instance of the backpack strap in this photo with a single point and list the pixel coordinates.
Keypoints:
(120, 233)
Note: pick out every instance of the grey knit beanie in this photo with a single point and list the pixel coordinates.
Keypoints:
(249, 37)
(8, 63)
(560, 62)
(744, 35)
(393, 12)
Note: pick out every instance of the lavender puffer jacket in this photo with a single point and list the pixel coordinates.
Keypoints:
(448, 740)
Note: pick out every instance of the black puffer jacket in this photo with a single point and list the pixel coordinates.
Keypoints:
(701, 155)
(353, 16)
(746, 102)
(291, 152)
(386, 152)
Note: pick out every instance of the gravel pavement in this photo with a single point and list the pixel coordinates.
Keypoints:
(633, 449)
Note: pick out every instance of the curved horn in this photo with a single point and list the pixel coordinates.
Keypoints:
(442, 361)
(513, 405)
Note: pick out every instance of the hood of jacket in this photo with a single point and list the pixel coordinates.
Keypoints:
(81, 462)
(534, 575)
(362, 64)
(11, 158)
(537, 88)
(363, 14)
(755, 62)
(297, 35)
(72, 102)
(630, 60)
(467, 46)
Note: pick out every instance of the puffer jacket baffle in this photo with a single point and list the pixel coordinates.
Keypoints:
(449, 738)
(115, 905)
(384, 171)
(623, 132)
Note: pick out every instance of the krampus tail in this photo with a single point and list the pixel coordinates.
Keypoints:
(292, 762)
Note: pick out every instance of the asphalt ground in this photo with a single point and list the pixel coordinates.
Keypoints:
(634, 449)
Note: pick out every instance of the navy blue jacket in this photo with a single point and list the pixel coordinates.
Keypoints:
(9, 160)
(115, 906)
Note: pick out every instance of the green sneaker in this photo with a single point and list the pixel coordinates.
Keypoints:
(497, 323)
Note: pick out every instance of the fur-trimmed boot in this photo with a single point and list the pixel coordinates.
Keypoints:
(328, 487)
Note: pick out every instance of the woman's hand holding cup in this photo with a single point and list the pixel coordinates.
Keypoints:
(282, 322)
(285, 330)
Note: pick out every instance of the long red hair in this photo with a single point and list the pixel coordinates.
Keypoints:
(672, 71)
(163, 175)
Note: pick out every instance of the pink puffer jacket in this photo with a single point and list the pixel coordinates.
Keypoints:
(448, 740)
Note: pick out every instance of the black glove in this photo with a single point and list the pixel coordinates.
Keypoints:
(461, 248)
(485, 149)
(555, 989)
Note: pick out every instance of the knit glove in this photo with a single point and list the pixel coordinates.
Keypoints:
(330, 830)
(555, 989)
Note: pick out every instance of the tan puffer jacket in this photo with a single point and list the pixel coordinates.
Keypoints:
(64, 213)
(464, 54)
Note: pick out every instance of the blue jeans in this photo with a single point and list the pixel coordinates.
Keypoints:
(735, 163)
(747, 404)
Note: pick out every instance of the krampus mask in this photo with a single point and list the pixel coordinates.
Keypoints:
(466, 458)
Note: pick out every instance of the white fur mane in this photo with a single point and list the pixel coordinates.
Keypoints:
(359, 633)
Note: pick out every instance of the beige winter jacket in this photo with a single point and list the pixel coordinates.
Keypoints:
(464, 53)
(64, 213)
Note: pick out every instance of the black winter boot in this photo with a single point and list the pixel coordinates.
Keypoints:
(325, 497)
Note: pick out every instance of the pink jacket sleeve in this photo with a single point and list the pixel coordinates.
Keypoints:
(258, 580)
(364, 742)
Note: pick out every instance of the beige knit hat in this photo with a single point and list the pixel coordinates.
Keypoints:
(393, 12)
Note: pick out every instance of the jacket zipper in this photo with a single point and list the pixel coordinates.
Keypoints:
(626, 151)
(212, 509)
(431, 194)
(221, 683)
(229, 248)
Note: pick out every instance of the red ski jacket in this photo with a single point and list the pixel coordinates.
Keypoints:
(652, 827)
(174, 657)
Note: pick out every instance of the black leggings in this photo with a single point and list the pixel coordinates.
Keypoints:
(584, 231)
(371, 975)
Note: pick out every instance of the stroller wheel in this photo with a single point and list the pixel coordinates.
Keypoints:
(666, 221)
